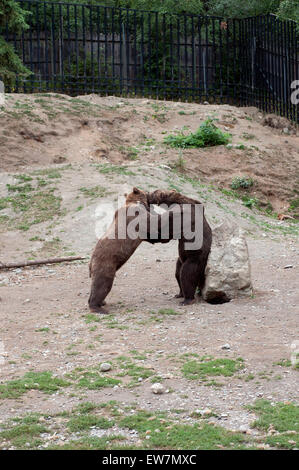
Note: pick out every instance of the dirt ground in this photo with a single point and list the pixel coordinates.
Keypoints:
(85, 153)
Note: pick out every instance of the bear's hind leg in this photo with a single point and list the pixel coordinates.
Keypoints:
(100, 288)
(189, 281)
(178, 276)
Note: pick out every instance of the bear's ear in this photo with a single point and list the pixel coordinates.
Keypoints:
(136, 191)
(125, 194)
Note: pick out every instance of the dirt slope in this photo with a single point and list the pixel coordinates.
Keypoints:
(112, 129)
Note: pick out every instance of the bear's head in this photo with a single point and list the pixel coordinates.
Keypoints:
(137, 196)
(159, 196)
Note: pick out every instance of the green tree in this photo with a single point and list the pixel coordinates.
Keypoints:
(289, 9)
(13, 17)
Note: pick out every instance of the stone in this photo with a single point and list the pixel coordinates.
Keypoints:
(157, 388)
(228, 273)
(105, 366)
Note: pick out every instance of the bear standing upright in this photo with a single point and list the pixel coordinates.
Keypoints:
(115, 247)
(111, 253)
(191, 264)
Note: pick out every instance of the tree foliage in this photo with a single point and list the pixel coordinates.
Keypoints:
(12, 17)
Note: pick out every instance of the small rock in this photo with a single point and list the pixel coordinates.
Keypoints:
(157, 388)
(288, 266)
(225, 346)
(243, 429)
(105, 366)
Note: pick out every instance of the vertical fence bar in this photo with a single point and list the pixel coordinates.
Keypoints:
(135, 53)
(157, 53)
(288, 76)
(127, 39)
(178, 59)
(220, 60)
(193, 59)
(113, 90)
(106, 50)
(276, 68)
(214, 56)
(53, 46)
(77, 47)
(120, 52)
(61, 40)
(142, 54)
(67, 76)
(171, 81)
(272, 75)
(99, 65)
(199, 57)
(38, 74)
(164, 54)
(186, 58)
(227, 59)
(46, 70)
(84, 48)
(234, 59)
(32, 77)
(91, 48)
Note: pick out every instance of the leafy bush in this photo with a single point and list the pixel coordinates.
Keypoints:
(241, 182)
(207, 135)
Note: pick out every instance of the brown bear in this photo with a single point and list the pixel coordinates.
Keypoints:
(191, 264)
(113, 249)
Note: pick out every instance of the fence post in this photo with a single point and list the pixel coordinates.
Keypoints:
(204, 63)
(124, 54)
(253, 54)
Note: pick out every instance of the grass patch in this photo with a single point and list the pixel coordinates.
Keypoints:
(95, 192)
(135, 371)
(86, 421)
(207, 367)
(205, 437)
(89, 443)
(143, 421)
(25, 434)
(280, 417)
(92, 379)
(207, 135)
(161, 314)
(43, 381)
(108, 169)
(166, 434)
(30, 205)
(91, 317)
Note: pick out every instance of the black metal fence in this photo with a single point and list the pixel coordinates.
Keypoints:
(78, 49)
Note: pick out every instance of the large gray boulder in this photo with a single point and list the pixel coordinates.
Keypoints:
(228, 273)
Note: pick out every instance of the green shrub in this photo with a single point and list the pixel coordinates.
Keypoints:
(241, 182)
(207, 135)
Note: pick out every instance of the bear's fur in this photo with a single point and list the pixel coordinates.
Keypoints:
(191, 264)
(110, 254)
